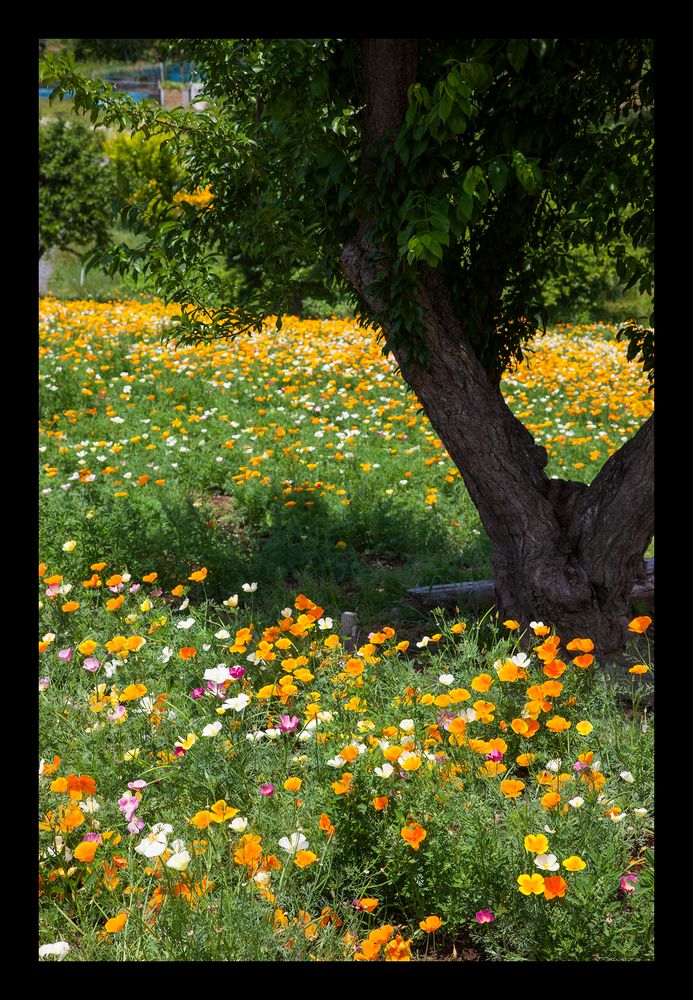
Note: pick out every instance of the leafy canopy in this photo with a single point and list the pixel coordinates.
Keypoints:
(512, 152)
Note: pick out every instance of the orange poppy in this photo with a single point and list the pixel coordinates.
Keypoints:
(430, 924)
(187, 652)
(582, 645)
(511, 788)
(198, 575)
(380, 802)
(550, 800)
(414, 834)
(555, 668)
(70, 606)
(640, 624)
(86, 850)
(116, 924)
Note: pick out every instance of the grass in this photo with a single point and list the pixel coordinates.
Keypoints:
(296, 462)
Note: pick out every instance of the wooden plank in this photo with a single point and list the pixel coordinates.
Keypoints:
(481, 594)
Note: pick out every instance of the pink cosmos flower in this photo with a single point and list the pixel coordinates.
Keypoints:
(135, 587)
(93, 836)
(117, 713)
(178, 752)
(117, 589)
(287, 723)
(136, 825)
(128, 805)
(65, 654)
(484, 917)
(156, 593)
(197, 693)
(495, 755)
(579, 766)
(91, 664)
(140, 783)
(266, 790)
(219, 690)
(237, 672)
(44, 683)
(53, 590)
(628, 883)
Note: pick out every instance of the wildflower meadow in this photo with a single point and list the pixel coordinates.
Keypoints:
(224, 775)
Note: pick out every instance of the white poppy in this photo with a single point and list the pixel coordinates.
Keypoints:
(577, 802)
(222, 634)
(59, 949)
(406, 725)
(337, 761)
(166, 654)
(238, 823)
(446, 679)
(250, 588)
(553, 765)
(385, 771)
(640, 812)
(547, 862)
(296, 842)
(179, 862)
(186, 623)
(153, 845)
(627, 776)
(238, 703)
(213, 729)
(218, 674)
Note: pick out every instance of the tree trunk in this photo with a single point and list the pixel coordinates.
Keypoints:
(562, 552)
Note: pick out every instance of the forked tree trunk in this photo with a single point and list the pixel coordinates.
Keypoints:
(562, 552)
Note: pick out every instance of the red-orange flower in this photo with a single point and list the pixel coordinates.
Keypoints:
(187, 652)
(554, 886)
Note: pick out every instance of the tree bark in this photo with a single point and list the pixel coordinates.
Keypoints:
(562, 552)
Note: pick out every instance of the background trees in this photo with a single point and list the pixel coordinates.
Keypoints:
(76, 187)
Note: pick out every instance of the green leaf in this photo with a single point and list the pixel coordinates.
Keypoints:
(517, 51)
(498, 175)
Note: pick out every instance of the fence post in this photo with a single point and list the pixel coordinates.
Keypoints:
(349, 629)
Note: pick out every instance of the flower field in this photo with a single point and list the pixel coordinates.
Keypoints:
(223, 776)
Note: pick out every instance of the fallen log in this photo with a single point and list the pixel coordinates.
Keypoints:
(481, 594)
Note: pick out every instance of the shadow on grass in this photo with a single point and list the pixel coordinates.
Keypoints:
(362, 557)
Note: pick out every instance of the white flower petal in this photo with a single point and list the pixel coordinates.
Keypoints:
(59, 948)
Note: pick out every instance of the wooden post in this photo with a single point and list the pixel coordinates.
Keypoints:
(349, 629)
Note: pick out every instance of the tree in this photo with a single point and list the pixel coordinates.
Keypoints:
(440, 181)
(76, 187)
